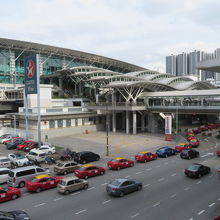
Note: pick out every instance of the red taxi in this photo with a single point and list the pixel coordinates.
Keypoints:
(42, 182)
(89, 170)
(182, 146)
(190, 138)
(196, 130)
(218, 153)
(120, 162)
(145, 156)
(24, 144)
(194, 142)
(204, 128)
(189, 134)
(9, 193)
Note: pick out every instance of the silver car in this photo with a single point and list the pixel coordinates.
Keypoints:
(5, 162)
(120, 187)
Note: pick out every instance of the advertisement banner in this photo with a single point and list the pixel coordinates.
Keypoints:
(168, 127)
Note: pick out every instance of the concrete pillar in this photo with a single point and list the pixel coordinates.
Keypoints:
(143, 122)
(61, 93)
(123, 121)
(114, 121)
(134, 122)
(127, 122)
(152, 123)
(97, 98)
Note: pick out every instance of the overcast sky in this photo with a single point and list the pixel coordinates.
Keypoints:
(140, 32)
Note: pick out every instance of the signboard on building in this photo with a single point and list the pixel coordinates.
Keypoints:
(31, 72)
(168, 127)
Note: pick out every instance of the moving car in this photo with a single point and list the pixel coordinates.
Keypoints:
(165, 152)
(36, 155)
(120, 187)
(18, 159)
(42, 182)
(120, 162)
(70, 184)
(85, 157)
(197, 170)
(48, 149)
(14, 215)
(4, 175)
(145, 156)
(182, 146)
(24, 144)
(13, 144)
(89, 170)
(189, 153)
(5, 162)
(9, 193)
(64, 168)
(194, 142)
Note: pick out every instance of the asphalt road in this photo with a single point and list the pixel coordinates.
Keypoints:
(167, 194)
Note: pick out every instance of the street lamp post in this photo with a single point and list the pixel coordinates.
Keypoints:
(14, 116)
(107, 125)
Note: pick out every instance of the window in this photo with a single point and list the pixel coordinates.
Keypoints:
(125, 183)
(78, 181)
(71, 182)
(39, 170)
(4, 172)
(26, 172)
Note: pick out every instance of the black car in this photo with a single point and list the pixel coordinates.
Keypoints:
(14, 215)
(197, 170)
(14, 144)
(85, 157)
(189, 153)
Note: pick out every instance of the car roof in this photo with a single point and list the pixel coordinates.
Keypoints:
(4, 168)
(37, 151)
(70, 178)
(144, 152)
(25, 168)
(3, 157)
(118, 158)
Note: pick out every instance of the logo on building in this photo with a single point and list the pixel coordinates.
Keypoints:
(30, 68)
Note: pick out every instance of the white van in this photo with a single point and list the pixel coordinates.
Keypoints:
(36, 155)
(4, 175)
(18, 176)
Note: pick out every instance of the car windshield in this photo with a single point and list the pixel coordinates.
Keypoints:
(82, 168)
(63, 183)
(140, 154)
(115, 183)
(20, 157)
(194, 167)
(60, 164)
(113, 160)
(34, 180)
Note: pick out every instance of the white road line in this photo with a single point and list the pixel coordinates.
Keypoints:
(161, 179)
(73, 194)
(91, 188)
(158, 166)
(146, 185)
(133, 216)
(174, 195)
(211, 204)
(156, 204)
(106, 201)
(148, 169)
(84, 210)
(219, 199)
(39, 205)
(58, 199)
(191, 219)
(166, 163)
(127, 176)
(174, 174)
(187, 188)
(199, 213)
(199, 182)
(204, 161)
(103, 184)
(138, 172)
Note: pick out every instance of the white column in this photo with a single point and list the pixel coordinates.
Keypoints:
(12, 67)
(143, 122)
(127, 122)
(114, 121)
(134, 122)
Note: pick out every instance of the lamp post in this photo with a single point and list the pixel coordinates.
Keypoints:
(14, 116)
(107, 126)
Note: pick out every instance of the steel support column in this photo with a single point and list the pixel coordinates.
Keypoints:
(127, 122)
(134, 122)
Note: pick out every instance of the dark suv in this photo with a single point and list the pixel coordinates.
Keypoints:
(85, 157)
(189, 153)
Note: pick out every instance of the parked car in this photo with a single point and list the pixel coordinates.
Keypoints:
(194, 142)
(64, 168)
(24, 144)
(31, 146)
(42, 182)
(197, 170)
(70, 184)
(36, 155)
(120, 162)
(18, 177)
(5, 137)
(190, 138)
(85, 157)
(196, 130)
(5, 162)
(48, 149)
(9, 139)
(120, 187)
(189, 153)
(189, 133)
(9, 193)
(4, 175)
(14, 215)
(13, 144)
(218, 153)
(204, 128)
(18, 159)
(89, 170)
(145, 156)
(165, 152)
(182, 146)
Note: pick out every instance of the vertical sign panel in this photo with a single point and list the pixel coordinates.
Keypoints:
(168, 127)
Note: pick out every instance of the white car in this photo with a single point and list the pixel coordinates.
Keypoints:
(4, 136)
(8, 138)
(4, 175)
(18, 159)
(36, 155)
(5, 162)
(48, 149)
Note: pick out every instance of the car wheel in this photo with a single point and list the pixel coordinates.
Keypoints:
(132, 165)
(84, 162)
(67, 192)
(97, 159)
(14, 197)
(21, 184)
(38, 190)
(118, 168)
(189, 158)
(102, 173)
(49, 152)
(139, 188)
(166, 155)
(199, 176)
(65, 172)
(145, 161)
(121, 194)
(85, 186)
(86, 177)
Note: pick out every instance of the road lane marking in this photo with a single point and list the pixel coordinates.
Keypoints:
(199, 213)
(156, 204)
(103, 184)
(174, 195)
(128, 176)
(174, 174)
(91, 188)
(138, 172)
(158, 166)
(146, 185)
(166, 163)
(38, 205)
(135, 215)
(191, 219)
(58, 199)
(211, 204)
(77, 213)
(73, 194)
(148, 169)
(106, 201)
(161, 179)
(199, 182)
(187, 188)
